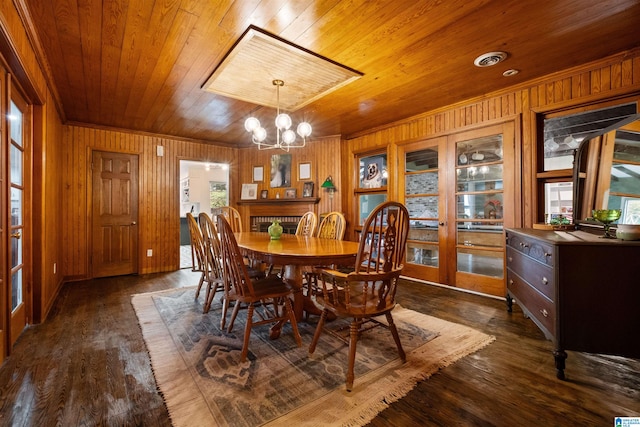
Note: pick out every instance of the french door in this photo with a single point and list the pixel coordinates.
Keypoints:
(19, 132)
(15, 277)
(481, 204)
(459, 191)
(424, 184)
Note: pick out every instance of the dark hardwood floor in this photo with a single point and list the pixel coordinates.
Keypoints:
(88, 365)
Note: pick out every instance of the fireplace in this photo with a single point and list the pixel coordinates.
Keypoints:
(262, 223)
(262, 212)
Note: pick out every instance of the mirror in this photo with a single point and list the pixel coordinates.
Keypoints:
(606, 173)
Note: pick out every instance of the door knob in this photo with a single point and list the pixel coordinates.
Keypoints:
(17, 234)
(441, 224)
(133, 223)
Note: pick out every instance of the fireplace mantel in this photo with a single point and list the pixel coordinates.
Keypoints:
(304, 200)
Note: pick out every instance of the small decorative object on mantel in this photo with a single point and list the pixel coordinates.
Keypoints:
(290, 193)
(307, 190)
(249, 192)
(275, 230)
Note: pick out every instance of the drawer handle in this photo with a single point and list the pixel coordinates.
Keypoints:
(544, 312)
(510, 259)
(545, 281)
(511, 281)
(523, 245)
(547, 254)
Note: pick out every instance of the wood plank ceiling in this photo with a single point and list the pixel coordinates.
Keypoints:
(141, 64)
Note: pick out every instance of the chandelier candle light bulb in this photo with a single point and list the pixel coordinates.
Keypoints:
(285, 137)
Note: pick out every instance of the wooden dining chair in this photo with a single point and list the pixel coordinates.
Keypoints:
(332, 226)
(213, 272)
(197, 250)
(369, 291)
(261, 297)
(232, 216)
(307, 224)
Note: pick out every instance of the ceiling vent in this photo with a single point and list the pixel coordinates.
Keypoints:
(489, 59)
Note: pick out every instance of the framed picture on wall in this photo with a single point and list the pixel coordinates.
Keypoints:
(290, 193)
(249, 192)
(280, 170)
(304, 171)
(307, 190)
(258, 174)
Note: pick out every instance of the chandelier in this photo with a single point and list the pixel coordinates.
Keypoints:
(285, 137)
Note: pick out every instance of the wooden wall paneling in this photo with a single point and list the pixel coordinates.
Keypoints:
(75, 201)
(528, 160)
(50, 211)
(159, 225)
(321, 153)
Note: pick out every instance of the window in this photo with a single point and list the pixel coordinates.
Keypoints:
(372, 183)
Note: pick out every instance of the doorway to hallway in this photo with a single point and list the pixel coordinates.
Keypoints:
(203, 186)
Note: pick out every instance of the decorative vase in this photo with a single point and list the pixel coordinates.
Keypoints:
(275, 230)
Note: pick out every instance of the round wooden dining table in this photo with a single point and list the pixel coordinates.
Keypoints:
(293, 252)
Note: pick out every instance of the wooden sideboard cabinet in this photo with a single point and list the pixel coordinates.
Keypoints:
(583, 291)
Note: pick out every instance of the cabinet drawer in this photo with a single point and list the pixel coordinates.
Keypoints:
(533, 302)
(536, 249)
(538, 275)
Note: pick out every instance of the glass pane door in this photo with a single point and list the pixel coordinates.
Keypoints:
(18, 296)
(481, 203)
(16, 206)
(423, 181)
(480, 206)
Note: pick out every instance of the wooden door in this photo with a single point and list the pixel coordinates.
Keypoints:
(423, 188)
(114, 214)
(480, 204)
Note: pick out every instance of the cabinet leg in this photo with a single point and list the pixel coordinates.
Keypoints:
(509, 302)
(560, 356)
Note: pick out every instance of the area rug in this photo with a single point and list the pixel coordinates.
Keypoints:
(198, 371)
